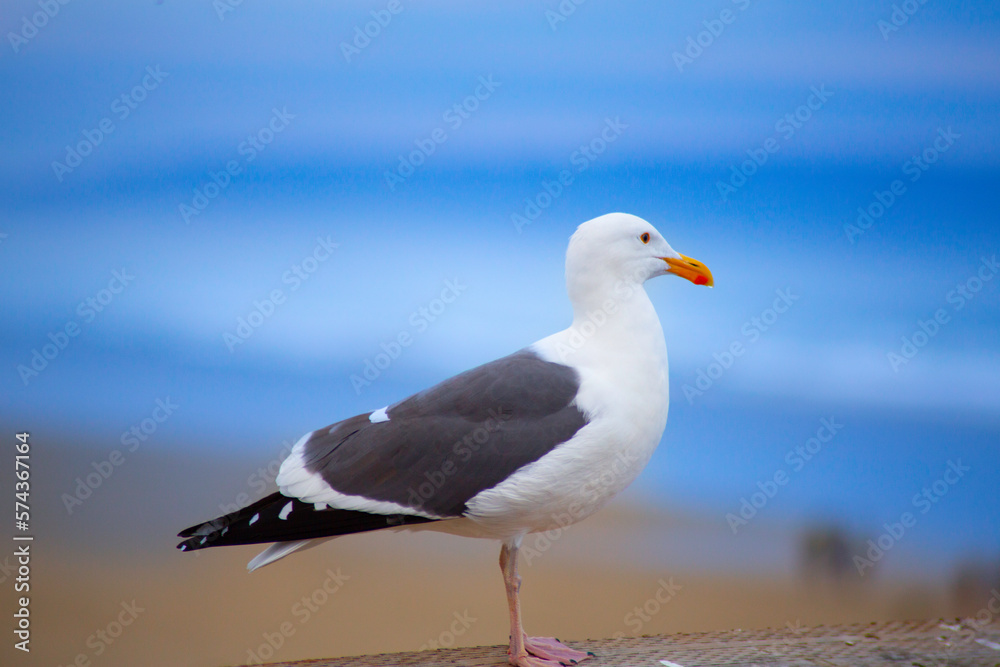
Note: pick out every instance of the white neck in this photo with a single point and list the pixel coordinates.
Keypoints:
(616, 345)
(615, 335)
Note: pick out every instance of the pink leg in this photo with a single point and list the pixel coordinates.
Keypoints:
(528, 651)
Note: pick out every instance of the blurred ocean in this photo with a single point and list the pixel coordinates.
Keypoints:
(232, 212)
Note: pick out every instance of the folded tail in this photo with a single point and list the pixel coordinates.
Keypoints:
(278, 518)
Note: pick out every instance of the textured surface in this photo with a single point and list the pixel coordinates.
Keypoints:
(899, 644)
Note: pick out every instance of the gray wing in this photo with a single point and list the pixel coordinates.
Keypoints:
(442, 446)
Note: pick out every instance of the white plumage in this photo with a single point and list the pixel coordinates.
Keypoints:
(615, 343)
(591, 401)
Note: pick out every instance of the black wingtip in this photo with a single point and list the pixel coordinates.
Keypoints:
(272, 520)
(201, 541)
(188, 532)
(187, 545)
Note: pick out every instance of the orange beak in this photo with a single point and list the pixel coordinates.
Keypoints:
(690, 269)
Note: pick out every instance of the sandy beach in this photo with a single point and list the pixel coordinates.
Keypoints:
(401, 592)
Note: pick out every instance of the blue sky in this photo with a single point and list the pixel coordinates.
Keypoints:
(344, 123)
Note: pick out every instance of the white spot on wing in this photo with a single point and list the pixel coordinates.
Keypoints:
(285, 511)
(254, 519)
(379, 415)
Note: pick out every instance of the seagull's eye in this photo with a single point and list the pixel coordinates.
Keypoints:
(645, 237)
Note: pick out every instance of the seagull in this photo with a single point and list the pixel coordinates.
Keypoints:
(533, 441)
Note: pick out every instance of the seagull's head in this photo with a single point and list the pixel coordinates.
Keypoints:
(625, 249)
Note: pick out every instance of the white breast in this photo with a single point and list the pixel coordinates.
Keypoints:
(624, 392)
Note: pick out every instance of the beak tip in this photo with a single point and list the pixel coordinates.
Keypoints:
(690, 269)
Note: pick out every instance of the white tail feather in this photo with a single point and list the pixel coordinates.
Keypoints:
(279, 550)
